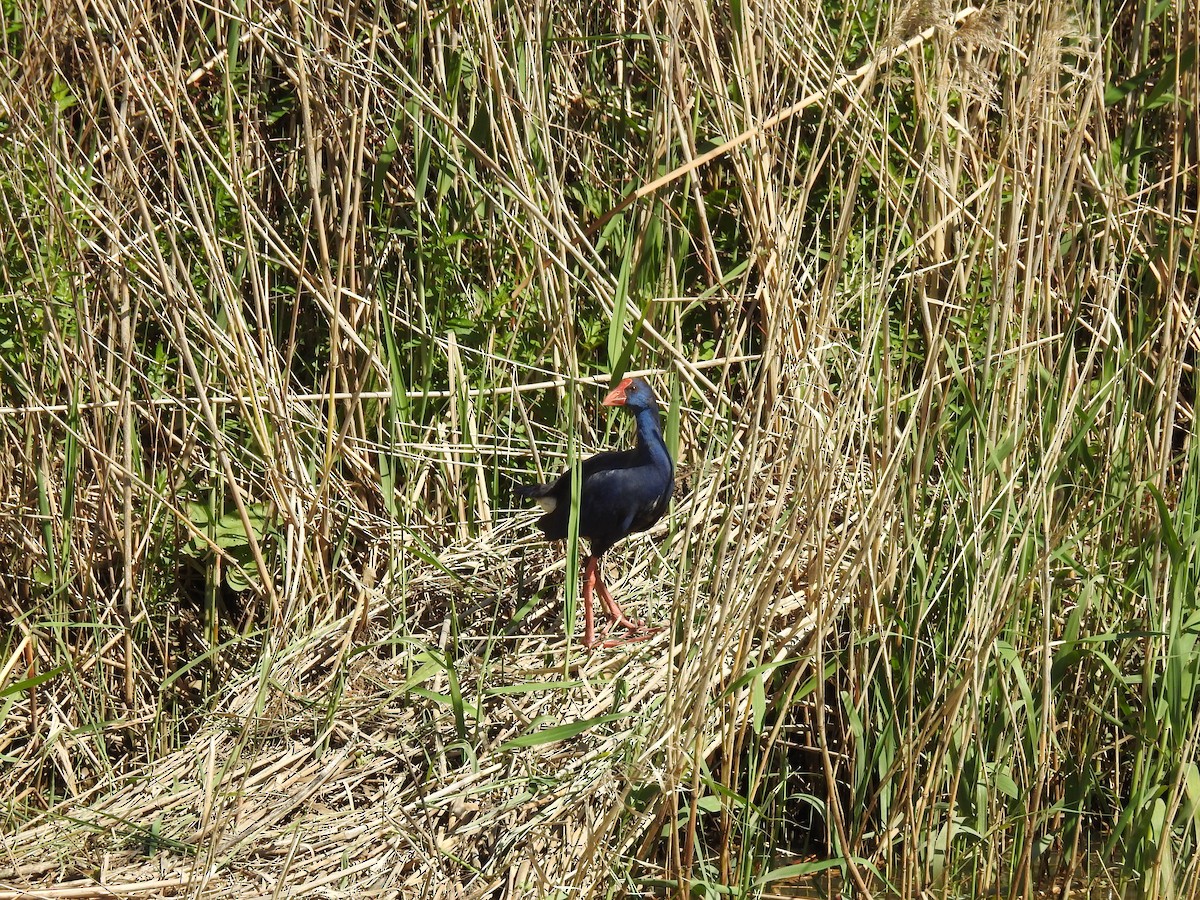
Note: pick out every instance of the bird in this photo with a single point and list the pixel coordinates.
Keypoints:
(622, 492)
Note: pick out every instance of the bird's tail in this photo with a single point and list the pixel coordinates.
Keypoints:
(538, 492)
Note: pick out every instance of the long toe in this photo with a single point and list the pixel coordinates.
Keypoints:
(636, 636)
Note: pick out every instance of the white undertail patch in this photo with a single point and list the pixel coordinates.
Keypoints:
(547, 503)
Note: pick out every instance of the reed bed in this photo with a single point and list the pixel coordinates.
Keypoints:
(293, 295)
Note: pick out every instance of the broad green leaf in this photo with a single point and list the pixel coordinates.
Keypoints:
(560, 732)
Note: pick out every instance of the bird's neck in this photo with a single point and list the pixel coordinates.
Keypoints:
(650, 439)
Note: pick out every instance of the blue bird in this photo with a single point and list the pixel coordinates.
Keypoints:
(623, 492)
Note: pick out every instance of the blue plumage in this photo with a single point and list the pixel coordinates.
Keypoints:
(623, 492)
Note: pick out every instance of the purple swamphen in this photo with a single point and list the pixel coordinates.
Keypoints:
(623, 491)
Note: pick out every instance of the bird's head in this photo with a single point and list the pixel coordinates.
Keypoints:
(632, 393)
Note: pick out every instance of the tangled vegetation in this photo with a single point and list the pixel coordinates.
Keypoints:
(291, 295)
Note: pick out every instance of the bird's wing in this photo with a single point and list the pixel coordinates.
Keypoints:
(608, 461)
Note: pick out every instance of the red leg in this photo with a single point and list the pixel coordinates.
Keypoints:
(611, 606)
(638, 630)
(589, 621)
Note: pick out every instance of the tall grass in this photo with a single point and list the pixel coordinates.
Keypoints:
(292, 296)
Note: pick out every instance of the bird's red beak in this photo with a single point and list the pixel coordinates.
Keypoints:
(616, 397)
